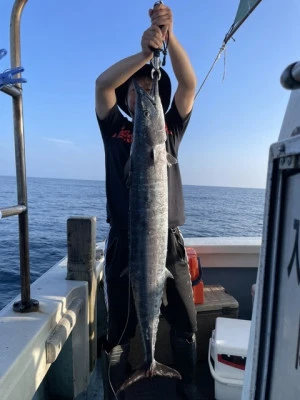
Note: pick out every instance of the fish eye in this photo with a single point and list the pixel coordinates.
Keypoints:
(146, 113)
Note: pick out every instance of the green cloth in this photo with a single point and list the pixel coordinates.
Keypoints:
(245, 7)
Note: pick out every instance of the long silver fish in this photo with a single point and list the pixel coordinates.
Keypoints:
(148, 224)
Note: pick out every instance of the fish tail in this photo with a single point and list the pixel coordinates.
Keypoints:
(146, 371)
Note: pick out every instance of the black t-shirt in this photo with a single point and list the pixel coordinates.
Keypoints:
(116, 133)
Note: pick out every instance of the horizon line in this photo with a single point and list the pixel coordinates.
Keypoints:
(101, 180)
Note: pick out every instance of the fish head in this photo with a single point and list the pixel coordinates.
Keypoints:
(149, 119)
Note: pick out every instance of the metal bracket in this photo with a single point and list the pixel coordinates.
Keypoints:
(32, 305)
(289, 162)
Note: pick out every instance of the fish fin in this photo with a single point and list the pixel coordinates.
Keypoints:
(165, 371)
(155, 369)
(168, 274)
(171, 160)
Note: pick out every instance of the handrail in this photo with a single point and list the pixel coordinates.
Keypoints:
(26, 304)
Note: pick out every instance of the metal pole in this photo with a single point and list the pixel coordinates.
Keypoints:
(26, 304)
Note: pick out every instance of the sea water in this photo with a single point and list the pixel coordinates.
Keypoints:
(210, 211)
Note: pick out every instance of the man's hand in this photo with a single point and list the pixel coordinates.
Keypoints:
(152, 39)
(161, 16)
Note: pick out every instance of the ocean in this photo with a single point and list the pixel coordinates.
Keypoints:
(210, 211)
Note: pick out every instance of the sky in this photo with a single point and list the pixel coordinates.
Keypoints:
(67, 44)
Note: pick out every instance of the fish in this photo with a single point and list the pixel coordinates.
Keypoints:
(148, 224)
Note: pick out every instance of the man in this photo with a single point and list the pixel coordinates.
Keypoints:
(115, 91)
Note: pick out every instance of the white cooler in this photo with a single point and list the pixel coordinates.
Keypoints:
(228, 348)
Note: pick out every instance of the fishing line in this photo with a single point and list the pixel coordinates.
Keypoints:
(121, 337)
(107, 307)
(211, 68)
(224, 65)
(240, 18)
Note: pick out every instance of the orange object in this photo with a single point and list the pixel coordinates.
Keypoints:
(196, 275)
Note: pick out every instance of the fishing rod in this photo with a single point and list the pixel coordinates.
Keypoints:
(240, 18)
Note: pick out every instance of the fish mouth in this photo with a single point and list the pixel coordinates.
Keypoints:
(150, 96)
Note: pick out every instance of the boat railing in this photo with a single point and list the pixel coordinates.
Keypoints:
(26, 304)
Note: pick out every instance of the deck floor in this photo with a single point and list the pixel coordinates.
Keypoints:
(157, 388)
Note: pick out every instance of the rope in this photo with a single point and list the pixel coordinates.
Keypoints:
(165, 52)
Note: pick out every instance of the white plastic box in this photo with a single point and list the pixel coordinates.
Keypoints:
(228, 349)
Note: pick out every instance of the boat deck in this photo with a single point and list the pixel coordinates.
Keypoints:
(158, 388)
(218, 303)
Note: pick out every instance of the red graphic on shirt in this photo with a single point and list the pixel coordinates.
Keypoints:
(126, 134)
